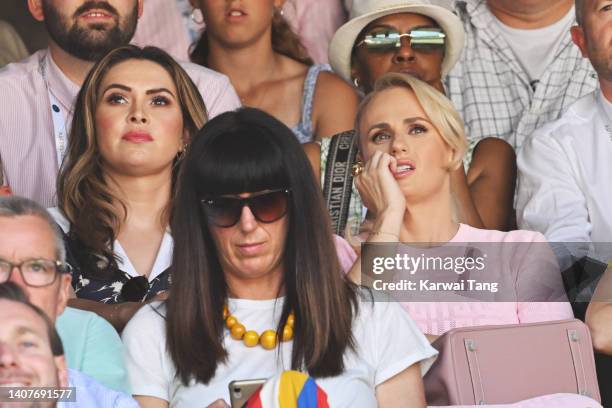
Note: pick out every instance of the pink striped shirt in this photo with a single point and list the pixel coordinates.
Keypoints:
(27, 140)
(315, 21)
(162, 25)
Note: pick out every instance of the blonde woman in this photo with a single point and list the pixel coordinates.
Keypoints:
(133, 121)
(413, 139)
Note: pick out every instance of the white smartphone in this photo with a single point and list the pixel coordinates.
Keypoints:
(241, 391)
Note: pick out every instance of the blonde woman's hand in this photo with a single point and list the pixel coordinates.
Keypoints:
(379, 190)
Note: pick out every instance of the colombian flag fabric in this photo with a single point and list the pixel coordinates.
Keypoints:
(291, 389)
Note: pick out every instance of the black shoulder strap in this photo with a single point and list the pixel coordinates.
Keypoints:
(338, 181)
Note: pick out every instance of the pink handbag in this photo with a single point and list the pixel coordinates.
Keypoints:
(506, 364)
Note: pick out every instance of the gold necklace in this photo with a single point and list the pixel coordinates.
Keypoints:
(251, 338)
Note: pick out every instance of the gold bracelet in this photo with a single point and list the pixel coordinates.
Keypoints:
(385, 233)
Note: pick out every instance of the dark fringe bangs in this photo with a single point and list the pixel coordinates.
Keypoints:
(238, 161)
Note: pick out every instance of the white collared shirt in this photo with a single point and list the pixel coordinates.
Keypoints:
(163, 259)
(564, 188)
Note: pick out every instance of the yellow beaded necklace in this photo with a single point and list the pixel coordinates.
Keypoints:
(251, 338)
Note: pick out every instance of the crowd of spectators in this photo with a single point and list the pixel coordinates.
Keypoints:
(192, 192)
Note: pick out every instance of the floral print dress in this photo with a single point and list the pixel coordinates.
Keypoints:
(94, 278)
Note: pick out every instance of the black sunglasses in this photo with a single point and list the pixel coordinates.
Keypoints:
(267, 207)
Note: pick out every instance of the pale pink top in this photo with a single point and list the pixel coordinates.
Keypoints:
(27, 140)
(346, 254)
(546, 401)
(438, 317)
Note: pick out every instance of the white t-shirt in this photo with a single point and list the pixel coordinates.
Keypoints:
(536, 48)
(387, 342)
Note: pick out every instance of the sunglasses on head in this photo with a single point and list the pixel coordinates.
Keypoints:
(267, 207)
(426, 38)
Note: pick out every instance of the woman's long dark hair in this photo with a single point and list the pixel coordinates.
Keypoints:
(83, 193)
(284, 41)
(248, 151)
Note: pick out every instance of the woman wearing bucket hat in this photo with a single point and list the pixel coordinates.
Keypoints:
(422, 38)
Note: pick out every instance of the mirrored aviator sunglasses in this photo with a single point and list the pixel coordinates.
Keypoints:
(267, 207)
(424, 39)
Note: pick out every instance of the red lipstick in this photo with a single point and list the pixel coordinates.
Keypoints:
(137, 137)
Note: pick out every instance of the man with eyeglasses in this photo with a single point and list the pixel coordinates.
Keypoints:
(32, 255)
(519, 69)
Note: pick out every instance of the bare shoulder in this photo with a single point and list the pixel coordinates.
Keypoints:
(334, 105)
(330, 85)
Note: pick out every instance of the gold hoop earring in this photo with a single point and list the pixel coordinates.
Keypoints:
(181, 153)
(278, 12)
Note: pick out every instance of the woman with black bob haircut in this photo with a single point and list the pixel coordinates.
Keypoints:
(254, 269)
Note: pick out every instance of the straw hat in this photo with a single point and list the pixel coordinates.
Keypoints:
(364, 12)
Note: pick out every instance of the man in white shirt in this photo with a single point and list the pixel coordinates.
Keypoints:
(519, 69)
(38, 93)
(33, 256)
(565, 167)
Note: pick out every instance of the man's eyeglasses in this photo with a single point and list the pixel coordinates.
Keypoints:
(34, 272)
(426, 39)
(267, 207)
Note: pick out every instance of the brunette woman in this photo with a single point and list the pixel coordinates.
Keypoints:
(133, 121)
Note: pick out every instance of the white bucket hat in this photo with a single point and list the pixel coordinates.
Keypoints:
(364, 12)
